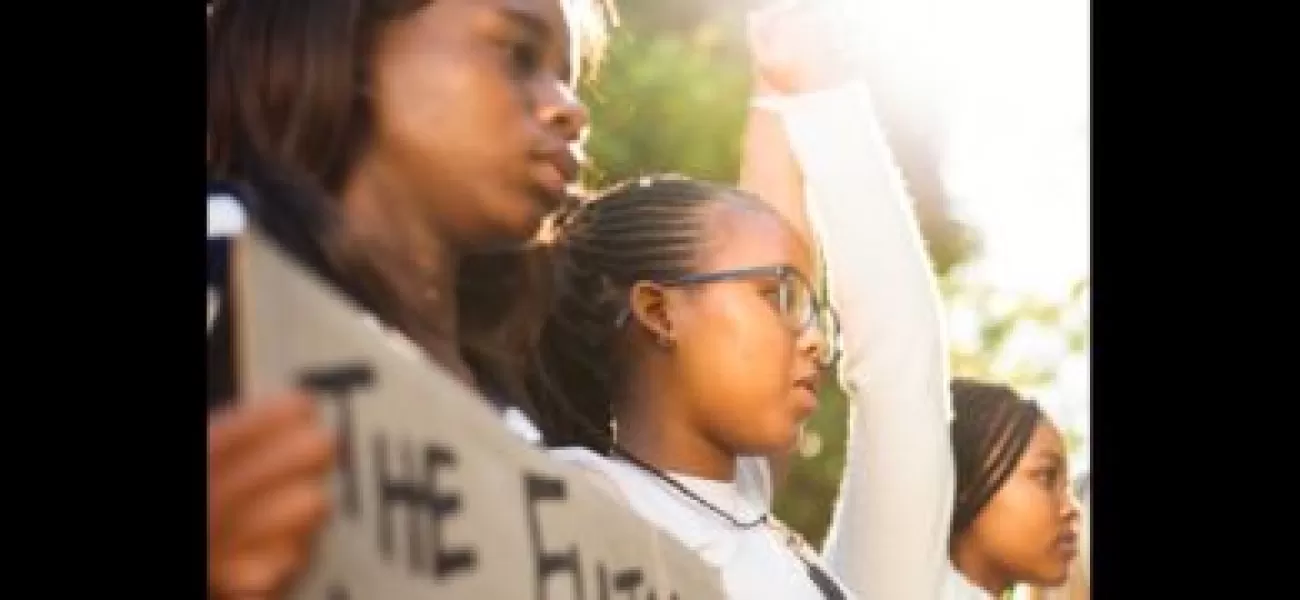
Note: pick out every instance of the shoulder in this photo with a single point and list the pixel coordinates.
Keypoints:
(226, 220)
(646, 496)
(957, 587)
(519, 424)
(598, 469)
(226, 215)
(585, 459)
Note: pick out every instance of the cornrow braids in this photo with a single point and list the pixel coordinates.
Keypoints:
(649, 228)
(991, 430)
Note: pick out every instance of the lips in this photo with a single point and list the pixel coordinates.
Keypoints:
(808, 385)
(566, 163)
(557, 167)
(1068, 544)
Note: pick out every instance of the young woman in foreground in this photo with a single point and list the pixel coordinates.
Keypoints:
(390, 146)
(687, 338)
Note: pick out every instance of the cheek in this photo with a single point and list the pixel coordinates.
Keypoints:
(742, 358)
(746, 331)
(449, 109)
(459, 130)
(1021, 519)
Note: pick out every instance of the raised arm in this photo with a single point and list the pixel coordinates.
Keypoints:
(888, 539)
(889, 535)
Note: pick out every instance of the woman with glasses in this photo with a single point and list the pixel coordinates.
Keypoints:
(686, 338)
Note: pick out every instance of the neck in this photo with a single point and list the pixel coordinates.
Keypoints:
(650, 430)
(409, 270)
(974, 565)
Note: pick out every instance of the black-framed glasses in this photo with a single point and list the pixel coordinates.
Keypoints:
(795, 300)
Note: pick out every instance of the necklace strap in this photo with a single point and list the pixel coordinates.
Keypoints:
(680, 488)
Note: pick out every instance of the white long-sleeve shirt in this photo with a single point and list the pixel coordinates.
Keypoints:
(888, 539)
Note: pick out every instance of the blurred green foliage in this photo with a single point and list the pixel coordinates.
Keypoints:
(672, 96)
(666, 103)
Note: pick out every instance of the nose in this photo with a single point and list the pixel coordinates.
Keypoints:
(813, 344)
(1070, 508)
(562, 111)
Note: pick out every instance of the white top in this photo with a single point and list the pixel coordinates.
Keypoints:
(957, 587)
(740, 555)
(888, 539)
(226, 217)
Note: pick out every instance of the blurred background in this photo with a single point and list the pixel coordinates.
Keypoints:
(985, 103)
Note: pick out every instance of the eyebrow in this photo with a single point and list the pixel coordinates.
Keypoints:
(1053, 456)
(526, 19)
(538, 26)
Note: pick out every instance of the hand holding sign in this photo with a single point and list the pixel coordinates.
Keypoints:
(267, 494)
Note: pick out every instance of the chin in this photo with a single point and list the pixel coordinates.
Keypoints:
(527, 223)
(512, 231)
(1056, 578)
(766, 445)
(783, 441)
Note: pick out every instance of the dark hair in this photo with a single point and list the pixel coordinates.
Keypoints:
(991, 429)
(286, 79)
(287, 117)
(650, 228)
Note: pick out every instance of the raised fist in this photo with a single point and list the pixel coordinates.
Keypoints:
(795, 48)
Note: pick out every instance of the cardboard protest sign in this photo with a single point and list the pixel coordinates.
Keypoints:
(434, 498)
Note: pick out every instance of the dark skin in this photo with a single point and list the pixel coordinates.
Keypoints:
(474, 118)
(1028, 531)
(265, 497)
(770, 170)
(790, 56)
(717, 369)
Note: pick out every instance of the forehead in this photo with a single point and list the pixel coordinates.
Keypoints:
(1046, 443)
(738, 236)
(555, 17)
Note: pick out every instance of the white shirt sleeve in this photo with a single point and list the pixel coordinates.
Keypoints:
(519, 424)
(226, 217)
(888, 538)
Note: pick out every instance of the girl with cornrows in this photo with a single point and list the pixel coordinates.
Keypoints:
(686, 338)
(1015, 519)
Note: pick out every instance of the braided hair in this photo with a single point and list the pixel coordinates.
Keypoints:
(991, 430)
(649, 228)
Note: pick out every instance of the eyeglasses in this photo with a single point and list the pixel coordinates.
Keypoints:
(795, 300)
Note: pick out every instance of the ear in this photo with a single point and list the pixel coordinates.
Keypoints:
(648, 308)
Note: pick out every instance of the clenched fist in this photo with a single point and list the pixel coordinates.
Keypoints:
(795, 49)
